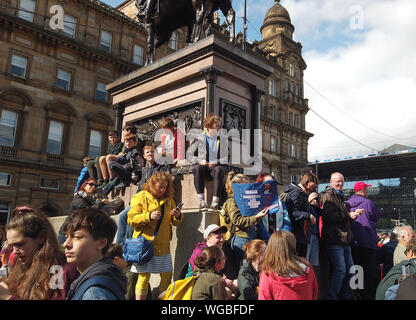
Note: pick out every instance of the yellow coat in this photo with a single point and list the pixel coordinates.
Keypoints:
(138, 217)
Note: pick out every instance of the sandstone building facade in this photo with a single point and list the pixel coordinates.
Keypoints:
(54, 108)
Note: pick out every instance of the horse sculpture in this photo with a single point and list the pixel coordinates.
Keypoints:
(170, 15)
(204, 16)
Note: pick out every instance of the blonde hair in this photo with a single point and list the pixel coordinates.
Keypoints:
(159, 176)
(280, 257)
(232, 177)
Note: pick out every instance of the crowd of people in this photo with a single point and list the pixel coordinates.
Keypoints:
(324, 242)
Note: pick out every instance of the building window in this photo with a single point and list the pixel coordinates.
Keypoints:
(18, 66)
(27, 10)
(63, 80)
(8, 125)
(101, 92)
(291, 69)
(286, 86)
(138, 54)
(272, 88)
(291, 118)
(291, 150)
(106, 40)
(4, 212)
(56, 130)
(173, 42)
(95, 143)
(49, 183)
(296, 121)
(273, 144)
(70, 24)
(5, 179)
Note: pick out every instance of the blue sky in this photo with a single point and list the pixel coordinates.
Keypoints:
(360, 78)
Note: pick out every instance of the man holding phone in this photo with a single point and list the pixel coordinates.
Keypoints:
(337, 237)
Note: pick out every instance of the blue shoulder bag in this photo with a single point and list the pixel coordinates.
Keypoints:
(140, 250)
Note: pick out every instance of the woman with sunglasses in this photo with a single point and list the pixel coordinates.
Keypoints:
(87, 197)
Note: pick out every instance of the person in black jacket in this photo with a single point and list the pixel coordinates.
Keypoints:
(87, 197)
(133, 164)
(300, 210)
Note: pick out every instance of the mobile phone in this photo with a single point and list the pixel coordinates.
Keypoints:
(180, 205)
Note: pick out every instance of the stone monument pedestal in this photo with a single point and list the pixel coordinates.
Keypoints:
(210, 76)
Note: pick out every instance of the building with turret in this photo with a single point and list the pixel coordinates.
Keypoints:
(285, 140)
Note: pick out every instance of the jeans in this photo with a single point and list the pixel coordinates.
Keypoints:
(125, 231)
(341, 262)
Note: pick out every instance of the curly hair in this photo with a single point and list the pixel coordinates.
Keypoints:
(150, 185)
(31, 282)
(210, 120)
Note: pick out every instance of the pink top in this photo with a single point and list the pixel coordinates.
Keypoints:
(273, 287)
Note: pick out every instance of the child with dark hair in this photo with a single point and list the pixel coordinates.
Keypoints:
(89, 234)
(209, 284)
(39, 270)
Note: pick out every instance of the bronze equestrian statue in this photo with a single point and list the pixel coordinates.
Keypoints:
(204, 16)
(161, 17)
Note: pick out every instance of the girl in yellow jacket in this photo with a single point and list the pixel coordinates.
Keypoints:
(143, 216)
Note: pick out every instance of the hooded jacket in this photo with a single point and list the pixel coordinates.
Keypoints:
(248, 281)
(103, 268)
(394, 275)
(299, 211)
(364, 227)
(208, 286)
(274, 287)
(336, 229)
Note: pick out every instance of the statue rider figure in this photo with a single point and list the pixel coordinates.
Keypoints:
(146, 9)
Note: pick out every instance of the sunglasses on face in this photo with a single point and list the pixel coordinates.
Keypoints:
(92, 184)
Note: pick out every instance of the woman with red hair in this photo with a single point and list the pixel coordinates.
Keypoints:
(87, 197)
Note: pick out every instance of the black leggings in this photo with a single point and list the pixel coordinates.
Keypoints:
(202, 172)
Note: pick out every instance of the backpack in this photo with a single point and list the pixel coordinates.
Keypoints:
(180, 289)
(99, 281)
(391, 292)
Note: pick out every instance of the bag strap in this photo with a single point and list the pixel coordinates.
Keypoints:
(160, 221)
(99, 281)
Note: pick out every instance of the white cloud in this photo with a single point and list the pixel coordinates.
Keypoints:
(371, 78)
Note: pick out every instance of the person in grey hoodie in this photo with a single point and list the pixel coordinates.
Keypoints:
(89, 233)
(364, 245)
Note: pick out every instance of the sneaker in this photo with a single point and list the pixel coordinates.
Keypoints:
(102, 185)
(213, 207)
(121, 185)
(203, 206)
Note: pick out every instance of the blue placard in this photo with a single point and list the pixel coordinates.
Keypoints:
(251, 198)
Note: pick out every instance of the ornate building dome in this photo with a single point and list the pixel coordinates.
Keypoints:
(277, 18)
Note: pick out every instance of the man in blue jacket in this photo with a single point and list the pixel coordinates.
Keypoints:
(364, 246)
